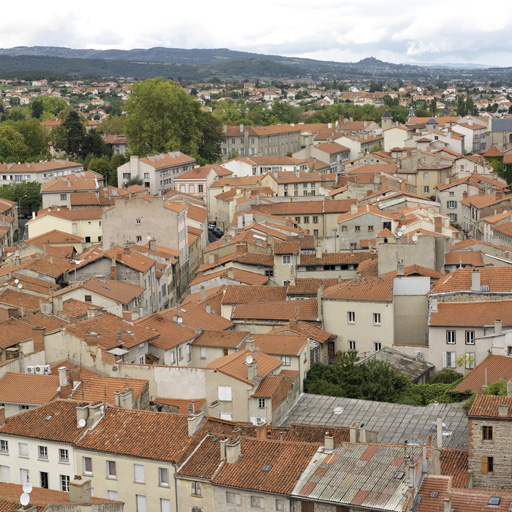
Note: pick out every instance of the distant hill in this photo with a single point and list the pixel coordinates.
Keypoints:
(196, 64)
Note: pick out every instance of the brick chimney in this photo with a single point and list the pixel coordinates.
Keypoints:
(113, 270)
(124, 399)
(438, 224)
(38, 338)
(2, 416)
(91, 338)
(65, 385)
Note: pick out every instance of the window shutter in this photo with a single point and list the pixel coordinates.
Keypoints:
(452, 360)
(444, 359)
(485, 465)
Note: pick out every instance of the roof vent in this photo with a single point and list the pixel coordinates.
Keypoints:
(266, 468)
(398, 475)
(434, 494)
(494, 501)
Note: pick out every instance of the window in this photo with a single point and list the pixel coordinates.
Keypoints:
(315, 219)
(256, 502)
(287, 360)
(112, 495)
(63, 455)
(448, 359)
(64, 483)
(451, 204)
(426, 189)
(4, 446)
(343, 229)
(233, 498)
(63, 197)
(202, 352)
(172, 358)
(261, 403)
(138, 239)
(146, 175)
(195, 489)
(377, 345)
(453, 217)
(306, 219)
(200, 188)
(297, 219)
(225, 393)
(487, 465)
(452, 194)
(142, 359)
(138, 472)
(111, 469)
(87, 239)
(287, 259)
(23, 449)
(353, 246)
(376, 318)
(357, 229)
(315, 232)
(425, 175)
(163, 477)
(141, 503)
(43, 480)
(279, 504)
(5, 474)
(42, 452)
(87, 465)
(126, 176)
(370, 229)
(450, 337)
(24, 476)
(470, 337)
(180, 353)
(351, 317)
(137, 222)
(487, 433)
(88, 298)
(189, 353)
(470, 360)
(351, 345)
(165, 505)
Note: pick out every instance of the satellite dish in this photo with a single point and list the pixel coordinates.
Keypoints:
(415, 238)
(24, 499)
(81, 422)
(149, 237)
(27, 488)
(16, 281)
(20, 286)
(249, 359)
(399, 233)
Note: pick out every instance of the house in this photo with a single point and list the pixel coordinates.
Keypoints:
(261, 165)
(298, 183)
(156, 172)
(37, 171)
(333, 154)
(476, 208)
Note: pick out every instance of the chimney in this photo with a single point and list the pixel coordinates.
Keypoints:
(223, 443)
(353, 208)
(318, 250)
(38, 338)
(447, 505)
(91, 312)
(319, 293)
(464, 195)
(203, 293)
(152, 244)
(63, 378)
(438, 224)
(113, 270)
(194, 421)
(412, 476)
(250, 344)
(213, 409)
(261, 430)
(439, 433)
(328, 442)
(403, 185)
(241, 248)
(233, 451)
(208, 307)
(240, 221)
(128, 316)
(2, 416)
(82, 413)
(433, 304)
(353, 432)
(91, 339)
(252, 370)
(400, 272)
(509, 388)
(124, 399)
(498, 325)
(80, 490)
(503, 409)
(231, 273)
(51, 259)
(475, 281)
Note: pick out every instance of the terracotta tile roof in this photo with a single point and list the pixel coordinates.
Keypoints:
(242, 276)
(223, 339)
(469, 242)
(304, 328)
(491, 369)
(287, 247)
(71, 215)
(235, 366)
(43, 499)
(235, 181)
(54, 237)
(76, 308)
(493, 150)
(372, 289)
(303, 177)
(182, 405)
(195, 317)
(391, 168)
(304, 207)
(334, 258)
(167, 159)
(25, 388)
(201, 173)
(467, 500)
(498, 279)
(118, 291)
(471, 314)
(415, 270)
(169, 333)
(213, 297)
(488, 406)
(61, 425)
(454, 463)
(484, 200)
(51, 165)
(505, 229)
(367, 209)
(309, 286)
(131, 259)
(84, 199)
(49, 265)
(20, 299)
(473, 258)
(148, 435)
(284, 344)
(240, 294)
(306, 310)
(107, 327)
(51, 323)
(197, 213)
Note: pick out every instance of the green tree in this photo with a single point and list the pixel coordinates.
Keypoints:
(93, 144)
(37, 108)
(161, 117)
(104, 167)
(34, 136)
(74, 133)
(209, 150)
(12, 145)
(112, 125)
(28, 192)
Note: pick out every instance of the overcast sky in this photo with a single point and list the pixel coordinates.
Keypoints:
(400, 31)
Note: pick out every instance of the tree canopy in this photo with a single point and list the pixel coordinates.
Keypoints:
(161, 117)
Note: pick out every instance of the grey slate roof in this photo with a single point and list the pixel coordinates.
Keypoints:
(501, 125)
(394, 423)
